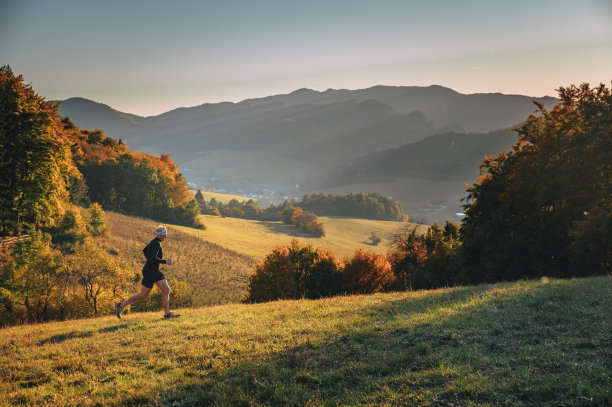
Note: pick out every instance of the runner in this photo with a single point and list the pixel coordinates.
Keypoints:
(151, 275)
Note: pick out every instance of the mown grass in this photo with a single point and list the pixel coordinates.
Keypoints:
(257, 238)
(214, 274)
(529, 343)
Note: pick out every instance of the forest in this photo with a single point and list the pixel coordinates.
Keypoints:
(49, 163)
(363, 205)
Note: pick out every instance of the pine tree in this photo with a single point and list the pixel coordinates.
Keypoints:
(96, 219)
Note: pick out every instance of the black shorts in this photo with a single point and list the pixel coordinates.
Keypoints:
(151, 277)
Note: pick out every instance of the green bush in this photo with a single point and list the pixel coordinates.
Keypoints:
(71, 232)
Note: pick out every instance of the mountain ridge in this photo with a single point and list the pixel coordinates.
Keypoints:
(336, 92)
(276, 145)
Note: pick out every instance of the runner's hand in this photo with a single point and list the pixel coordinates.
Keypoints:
(169, 261)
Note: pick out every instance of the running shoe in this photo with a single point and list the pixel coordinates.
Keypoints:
(171, 315)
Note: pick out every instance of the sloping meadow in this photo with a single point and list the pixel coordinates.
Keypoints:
(204, 272)
(526, 343)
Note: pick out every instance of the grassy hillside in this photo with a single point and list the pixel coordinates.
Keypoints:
(214, 274)
(529, 343)
(257, 238)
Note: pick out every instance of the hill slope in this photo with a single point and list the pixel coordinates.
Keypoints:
(440, 156)
(257, 238)
(212, 274)
(520, 344)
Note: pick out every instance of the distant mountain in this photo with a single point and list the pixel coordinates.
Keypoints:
(88, 114)
(439, 156)
(479, 112)
(337, 140)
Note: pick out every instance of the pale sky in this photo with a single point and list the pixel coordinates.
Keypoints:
(148, 57)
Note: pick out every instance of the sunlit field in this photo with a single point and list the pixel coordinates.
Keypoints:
(220, 197)
(257, 238)
(530, 343)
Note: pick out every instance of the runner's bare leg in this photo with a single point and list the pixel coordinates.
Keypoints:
(165, 289)
(144, 293)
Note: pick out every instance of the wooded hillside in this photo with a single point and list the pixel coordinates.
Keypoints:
(47, 162)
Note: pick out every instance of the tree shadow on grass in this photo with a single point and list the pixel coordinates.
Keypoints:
(113, 328)
(344, 368)
(282, 229)
(458, 347)
(59, 338)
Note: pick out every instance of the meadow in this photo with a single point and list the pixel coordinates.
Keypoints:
(221, 197)
(256, 238)
(529, 343)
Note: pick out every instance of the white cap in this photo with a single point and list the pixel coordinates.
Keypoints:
(161, 230)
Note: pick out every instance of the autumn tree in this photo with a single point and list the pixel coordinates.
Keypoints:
(97, 275)
(36, 280)
(367, 273)
(35, 164)
(70, 232)
(362, 205)
(303, 220)
(96, 220)
(295, 271)
(407, 255)
(442, 265)
(135, 183)
(534, 210)
(251, 210)
(199, 197)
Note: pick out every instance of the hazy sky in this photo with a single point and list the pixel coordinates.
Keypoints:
(148, 57)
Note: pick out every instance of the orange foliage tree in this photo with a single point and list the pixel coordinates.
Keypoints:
(132, 182)
(367, 273)
(303, 220)
(295, 271)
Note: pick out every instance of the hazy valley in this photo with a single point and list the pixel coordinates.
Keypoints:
(420, 145)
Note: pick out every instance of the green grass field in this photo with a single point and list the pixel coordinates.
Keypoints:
(531, 343)
(258, 238)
